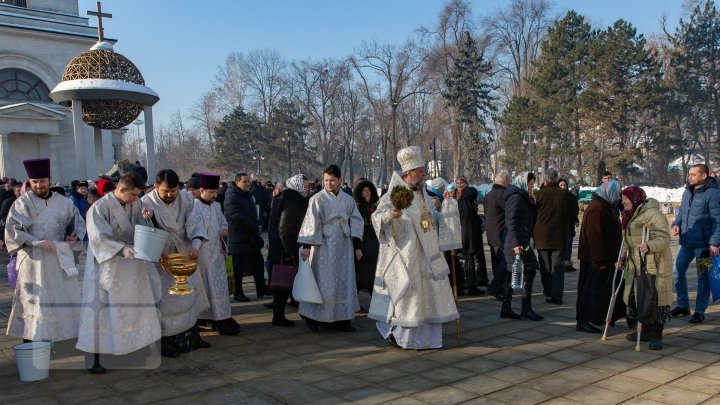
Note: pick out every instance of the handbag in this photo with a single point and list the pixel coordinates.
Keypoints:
(646, 294)
(283, 276)
(714, 278)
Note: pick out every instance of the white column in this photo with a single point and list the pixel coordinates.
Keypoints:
(98, 151)
(150, 143)
(107, 151)
(5, 145)
(79, 131)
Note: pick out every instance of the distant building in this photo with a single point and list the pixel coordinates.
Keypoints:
(37, 40)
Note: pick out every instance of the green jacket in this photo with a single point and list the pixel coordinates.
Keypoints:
(659, 259)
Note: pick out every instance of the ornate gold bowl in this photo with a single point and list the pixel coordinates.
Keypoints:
(181, 267)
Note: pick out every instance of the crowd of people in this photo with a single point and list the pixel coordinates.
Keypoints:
(354, 240)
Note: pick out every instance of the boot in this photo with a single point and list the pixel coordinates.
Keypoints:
(656, 331)
(506, 309)
(196, 341)
(167, 347)
(96, 368)
(644, 336)
(527, 311)
(227, 327)
(279, 315)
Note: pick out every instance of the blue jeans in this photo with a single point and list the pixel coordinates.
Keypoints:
(684, 257)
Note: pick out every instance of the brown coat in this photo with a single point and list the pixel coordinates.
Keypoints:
(557, 212)
(659, 260)
(600, 235)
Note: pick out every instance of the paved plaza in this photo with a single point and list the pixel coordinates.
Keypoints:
(495, 361)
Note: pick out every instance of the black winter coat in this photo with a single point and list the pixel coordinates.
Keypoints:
(243, 223)
(286, 218)
(470, 222)
(519, 217)
(556, 216)
(494, 207)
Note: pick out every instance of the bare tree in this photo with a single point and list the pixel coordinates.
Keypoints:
(397, 72)
(265, 71)
(230, 84)
(207, 114)
(516, 32)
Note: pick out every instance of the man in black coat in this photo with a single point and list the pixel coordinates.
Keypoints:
(519, 222)
(494, 208)
(244, 240)
(556, 215)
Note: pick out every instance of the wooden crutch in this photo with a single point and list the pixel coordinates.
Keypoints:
(614, 292)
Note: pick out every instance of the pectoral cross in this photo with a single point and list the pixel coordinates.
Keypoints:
(99, 14)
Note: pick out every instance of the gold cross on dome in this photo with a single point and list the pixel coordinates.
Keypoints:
(99, 14)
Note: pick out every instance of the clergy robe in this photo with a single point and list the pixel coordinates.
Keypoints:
(331, 221)
(46, 301)
(211, 262)
(119, 313)
(411, 297)
(178, 313)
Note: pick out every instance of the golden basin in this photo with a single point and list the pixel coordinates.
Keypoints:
(181, 267)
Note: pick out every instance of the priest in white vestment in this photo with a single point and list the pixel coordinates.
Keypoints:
(41, 228)
(330, 235)
(211, 256)
(174, 212)
(412, 297)
(119, 314)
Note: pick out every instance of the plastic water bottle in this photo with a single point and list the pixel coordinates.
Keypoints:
(517, 274)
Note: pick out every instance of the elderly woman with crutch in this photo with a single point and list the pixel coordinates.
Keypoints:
(646, 253)
(598, 251)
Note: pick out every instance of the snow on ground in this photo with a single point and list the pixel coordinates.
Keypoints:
(659, 193)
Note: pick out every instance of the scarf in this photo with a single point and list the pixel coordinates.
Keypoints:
(520, 181)
(609, 191)
(296, 183)
(637, 196)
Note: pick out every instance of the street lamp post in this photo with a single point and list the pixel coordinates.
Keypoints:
(138, 122)
(530, 141)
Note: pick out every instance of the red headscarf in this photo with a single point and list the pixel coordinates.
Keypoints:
(637, 196)
(103, 186)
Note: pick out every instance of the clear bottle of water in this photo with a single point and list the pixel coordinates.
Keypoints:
(516, 282)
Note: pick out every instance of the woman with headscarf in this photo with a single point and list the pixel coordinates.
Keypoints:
(284, 224)
(366, 197)
(473, 250)
(640, 211)
(598, 250)
(520, 211)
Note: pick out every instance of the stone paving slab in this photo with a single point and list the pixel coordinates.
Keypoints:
(496, 361)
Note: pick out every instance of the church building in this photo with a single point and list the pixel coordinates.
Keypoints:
(37, 40)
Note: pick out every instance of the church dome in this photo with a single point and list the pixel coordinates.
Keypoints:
(110, 86)
(102, 64)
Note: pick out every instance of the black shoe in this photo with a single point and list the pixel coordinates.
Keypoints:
(644, 336)
(531, 315)
(553, 300)
(509, 314)
(282, 321)
(475, 291)
(679, 312)
(697, 318)
(312, 324)
(241, 298)
(586, 327)
(269, 305)
(570, 269)
(393, 342)
(227, 327)
(167, 347)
